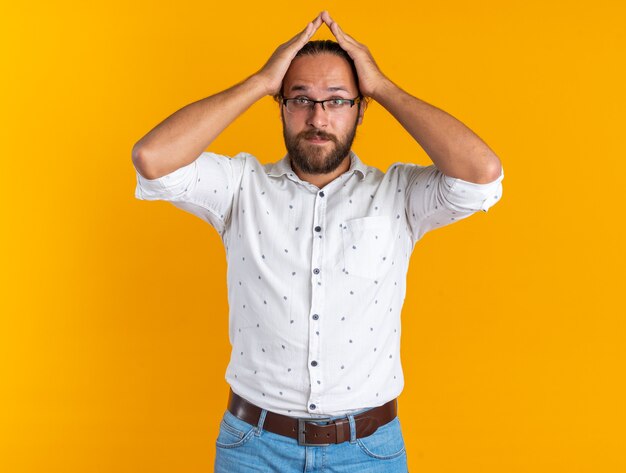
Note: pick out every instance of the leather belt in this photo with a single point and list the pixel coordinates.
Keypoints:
(305, 430)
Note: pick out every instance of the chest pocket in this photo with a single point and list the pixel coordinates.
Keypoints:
(367, 245)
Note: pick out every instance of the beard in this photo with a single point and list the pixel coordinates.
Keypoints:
(318, 159)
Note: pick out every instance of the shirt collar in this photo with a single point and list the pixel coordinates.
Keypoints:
(284, 167)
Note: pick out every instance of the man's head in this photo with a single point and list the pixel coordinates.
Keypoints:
(319, 140)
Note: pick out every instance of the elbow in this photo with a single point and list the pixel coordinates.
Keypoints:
(489, 172)
(495, 170)
(141, 163)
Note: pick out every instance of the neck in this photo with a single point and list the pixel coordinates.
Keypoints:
(320, 180)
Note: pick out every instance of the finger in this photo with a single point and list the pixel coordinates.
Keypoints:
(316, 23)
(308, 31)
(326, 17)
(345, 35)
(336, 30)
(331, 23)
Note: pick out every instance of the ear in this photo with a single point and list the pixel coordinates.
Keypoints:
(362, 108)
(280, 106)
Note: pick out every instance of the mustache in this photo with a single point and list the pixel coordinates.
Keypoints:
(317, 134)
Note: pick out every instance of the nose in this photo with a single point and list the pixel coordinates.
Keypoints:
(317, 116)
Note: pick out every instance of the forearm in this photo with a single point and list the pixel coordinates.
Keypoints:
(183, 136)
(453, 147)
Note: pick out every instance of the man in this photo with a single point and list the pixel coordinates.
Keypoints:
(318, 246)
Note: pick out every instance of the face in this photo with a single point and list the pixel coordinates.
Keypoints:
(318, 141)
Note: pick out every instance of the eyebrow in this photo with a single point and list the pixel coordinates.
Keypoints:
(329, 89)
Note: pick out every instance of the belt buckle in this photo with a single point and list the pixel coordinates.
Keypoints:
(302, 431)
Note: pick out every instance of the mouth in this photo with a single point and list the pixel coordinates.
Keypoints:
(317, 140)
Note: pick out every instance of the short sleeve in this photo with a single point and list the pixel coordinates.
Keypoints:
(434, 199)
(205, 187)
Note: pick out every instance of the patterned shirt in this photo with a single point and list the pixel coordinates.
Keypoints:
(317, 277)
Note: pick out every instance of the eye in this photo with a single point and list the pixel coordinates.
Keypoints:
(301, 101)
(336, 103)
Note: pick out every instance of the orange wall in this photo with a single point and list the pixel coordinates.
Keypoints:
(113, 311)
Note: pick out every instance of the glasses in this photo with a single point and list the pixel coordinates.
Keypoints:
(302, 104)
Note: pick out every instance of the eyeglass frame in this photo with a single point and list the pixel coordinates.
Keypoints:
(356, 100)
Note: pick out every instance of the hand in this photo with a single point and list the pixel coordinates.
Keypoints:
(273, 72)
(371, 79)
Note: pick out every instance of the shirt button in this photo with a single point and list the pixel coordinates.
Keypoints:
(322, 194)
(314, 363)
(315, 316)
(318, 229)
(316, 271)
(312, 406)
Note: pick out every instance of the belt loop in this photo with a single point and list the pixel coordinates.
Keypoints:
(339, 431)
(352, 429)
(259, 427)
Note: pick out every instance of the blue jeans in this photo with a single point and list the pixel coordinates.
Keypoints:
(243, 448)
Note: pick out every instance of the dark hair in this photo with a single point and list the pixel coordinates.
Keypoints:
(326, 46)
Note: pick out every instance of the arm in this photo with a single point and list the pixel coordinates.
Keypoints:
(454, 149)
(184, 135)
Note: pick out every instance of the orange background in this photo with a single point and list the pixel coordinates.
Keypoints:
(113, 325)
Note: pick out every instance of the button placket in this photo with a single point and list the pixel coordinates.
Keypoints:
(317, 309)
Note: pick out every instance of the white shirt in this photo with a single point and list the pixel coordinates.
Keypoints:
(317, 278)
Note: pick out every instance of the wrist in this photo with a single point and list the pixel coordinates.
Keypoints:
(260, 84)
(382, 89)
(257, 85)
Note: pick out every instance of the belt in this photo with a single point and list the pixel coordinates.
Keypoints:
(306, 431)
